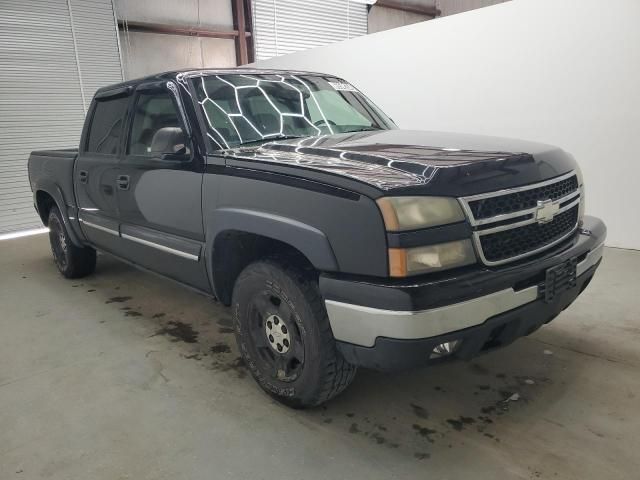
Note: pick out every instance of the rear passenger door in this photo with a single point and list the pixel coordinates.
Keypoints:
(96, 169)
(159, 188)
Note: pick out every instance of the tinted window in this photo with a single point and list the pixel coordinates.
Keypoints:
(106, 126)
(156, 127)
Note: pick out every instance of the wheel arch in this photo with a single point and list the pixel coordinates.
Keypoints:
(238, 237)
(45, 200)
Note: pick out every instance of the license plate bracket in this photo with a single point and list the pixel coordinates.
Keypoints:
(559, 279)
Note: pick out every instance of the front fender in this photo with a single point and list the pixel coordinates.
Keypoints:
(310, 241)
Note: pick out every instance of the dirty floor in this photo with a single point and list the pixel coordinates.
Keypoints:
(124, 375)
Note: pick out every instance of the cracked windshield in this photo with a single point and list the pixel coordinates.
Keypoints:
(251, 109)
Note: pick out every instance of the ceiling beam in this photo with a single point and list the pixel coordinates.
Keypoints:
(133, 26)
(429, 10)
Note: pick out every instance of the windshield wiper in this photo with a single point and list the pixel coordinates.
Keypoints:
(366, 129)
(271, 139)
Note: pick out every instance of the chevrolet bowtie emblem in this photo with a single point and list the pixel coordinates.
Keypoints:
(546, 210)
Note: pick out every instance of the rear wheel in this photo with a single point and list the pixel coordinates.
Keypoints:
(72, 261)
(284, 335)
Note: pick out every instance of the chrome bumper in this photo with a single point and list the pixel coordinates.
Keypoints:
(361, 325)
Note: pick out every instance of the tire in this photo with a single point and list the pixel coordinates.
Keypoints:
(284, 336)
(72, 261)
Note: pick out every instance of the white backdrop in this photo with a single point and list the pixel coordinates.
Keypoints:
(565, 72)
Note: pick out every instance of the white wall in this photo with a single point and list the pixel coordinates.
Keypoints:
(383, 18)
(565, 72)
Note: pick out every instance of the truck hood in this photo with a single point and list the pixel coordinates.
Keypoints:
(418, 162)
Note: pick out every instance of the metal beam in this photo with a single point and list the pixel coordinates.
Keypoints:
(429, 10)
(249, 21)
(237, 7)
(133, 26)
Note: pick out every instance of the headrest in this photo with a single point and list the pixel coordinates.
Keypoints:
(167, 140)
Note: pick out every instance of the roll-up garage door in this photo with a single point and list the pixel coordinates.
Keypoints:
(54, 54)
(287, 26)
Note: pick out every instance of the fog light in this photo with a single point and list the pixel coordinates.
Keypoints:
(445, 349)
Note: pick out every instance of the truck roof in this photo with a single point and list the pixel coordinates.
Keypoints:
(194, 72)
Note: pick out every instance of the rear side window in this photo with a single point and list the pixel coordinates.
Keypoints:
(106, 125)
(156, 127)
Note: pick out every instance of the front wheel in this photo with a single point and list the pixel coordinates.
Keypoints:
(72, 261)
(284, 335)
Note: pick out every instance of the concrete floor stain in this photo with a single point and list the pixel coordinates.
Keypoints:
(459, 423)
(237, 365)
(118, 299)
(425, 432)
(220, 348)
(179, 332)
(419, 411)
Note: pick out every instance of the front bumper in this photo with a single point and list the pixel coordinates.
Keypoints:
(397, 325)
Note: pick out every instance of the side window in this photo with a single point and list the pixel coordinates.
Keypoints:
(156, 127)
(106, 125)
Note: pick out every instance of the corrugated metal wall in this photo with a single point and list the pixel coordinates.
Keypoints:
(282, 26)
(54, 54)
(146, 53)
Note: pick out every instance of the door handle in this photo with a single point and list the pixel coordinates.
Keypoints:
(83, 176)
(123, 182)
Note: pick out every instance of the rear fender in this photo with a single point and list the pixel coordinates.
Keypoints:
(69, 212)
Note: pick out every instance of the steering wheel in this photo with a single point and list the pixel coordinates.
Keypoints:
(322, 120)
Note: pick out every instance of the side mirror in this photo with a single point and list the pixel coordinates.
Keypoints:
(175, 157)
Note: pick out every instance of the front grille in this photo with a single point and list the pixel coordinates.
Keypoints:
(522, 200)
(518, 241)
(513, 224)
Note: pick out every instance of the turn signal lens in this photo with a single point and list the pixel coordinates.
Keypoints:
(411, 213)
(412, 261)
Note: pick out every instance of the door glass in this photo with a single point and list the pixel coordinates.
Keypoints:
(106, 125)
(156, 128)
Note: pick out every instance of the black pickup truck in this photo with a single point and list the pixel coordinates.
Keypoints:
(338, 239)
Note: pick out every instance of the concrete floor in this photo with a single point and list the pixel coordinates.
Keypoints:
(126, 375)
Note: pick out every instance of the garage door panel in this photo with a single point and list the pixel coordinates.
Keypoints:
(75, 43)
(281, 26)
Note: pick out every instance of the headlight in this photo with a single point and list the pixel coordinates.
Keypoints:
(410, 213)
(412, 261)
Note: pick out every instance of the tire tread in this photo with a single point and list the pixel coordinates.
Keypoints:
(81, 261)
(338, 372)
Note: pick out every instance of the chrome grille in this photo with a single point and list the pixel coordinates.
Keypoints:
(517, 241)
(522, 200)
(516, 223)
